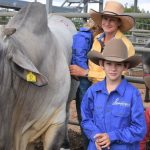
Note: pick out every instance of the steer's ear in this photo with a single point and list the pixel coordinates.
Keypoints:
(24, 68)
(9, 31)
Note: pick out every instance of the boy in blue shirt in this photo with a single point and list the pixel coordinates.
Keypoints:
(112, 110)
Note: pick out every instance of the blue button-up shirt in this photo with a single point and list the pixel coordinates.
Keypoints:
(120, 114)
(82, 43)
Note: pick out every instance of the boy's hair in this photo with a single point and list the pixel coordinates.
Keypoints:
(126, 64)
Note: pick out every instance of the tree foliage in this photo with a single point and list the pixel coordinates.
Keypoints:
(78, 22)
(140, 23)
(3, 20)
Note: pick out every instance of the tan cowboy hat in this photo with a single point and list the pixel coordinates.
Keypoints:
(115, 9)
(116, 51)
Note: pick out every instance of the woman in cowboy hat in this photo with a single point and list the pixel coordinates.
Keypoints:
(114, 23)
(112, 109)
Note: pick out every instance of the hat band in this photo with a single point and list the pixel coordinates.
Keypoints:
(110, 12)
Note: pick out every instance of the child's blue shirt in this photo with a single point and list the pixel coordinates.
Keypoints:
(82, 43)
(120, 114)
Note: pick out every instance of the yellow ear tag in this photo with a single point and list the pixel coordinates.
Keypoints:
(31, 77)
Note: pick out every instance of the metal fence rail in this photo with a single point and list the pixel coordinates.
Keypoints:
(142, 50)
(80, 15)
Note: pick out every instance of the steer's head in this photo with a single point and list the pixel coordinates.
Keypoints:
(13, 57)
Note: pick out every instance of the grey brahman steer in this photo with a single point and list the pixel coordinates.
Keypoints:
(35, 52)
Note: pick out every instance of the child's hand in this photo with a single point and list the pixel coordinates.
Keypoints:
(98, 147)
(102, 140)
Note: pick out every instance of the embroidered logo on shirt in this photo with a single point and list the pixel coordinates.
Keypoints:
(120, 103)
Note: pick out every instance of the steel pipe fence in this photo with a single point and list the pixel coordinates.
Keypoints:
(80, 15)
(142, 50)
(86, 15)
(135, 79)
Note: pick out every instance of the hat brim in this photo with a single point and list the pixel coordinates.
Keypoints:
(127, 22)
(95, 57)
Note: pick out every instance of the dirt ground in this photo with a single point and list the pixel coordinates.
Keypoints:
(76, 141)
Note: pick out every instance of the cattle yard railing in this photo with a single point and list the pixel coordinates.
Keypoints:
(80, 15)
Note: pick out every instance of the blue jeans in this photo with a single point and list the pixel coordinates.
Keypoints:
(83, 86)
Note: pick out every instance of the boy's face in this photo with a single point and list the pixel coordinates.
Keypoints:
(114, 70)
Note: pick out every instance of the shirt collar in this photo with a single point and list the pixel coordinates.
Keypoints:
(101, 37)
(118, 35)
(101, 86)
(122, 86)
(82, 29)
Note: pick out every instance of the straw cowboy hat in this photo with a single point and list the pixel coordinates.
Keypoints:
(115, 9)
(116, 51)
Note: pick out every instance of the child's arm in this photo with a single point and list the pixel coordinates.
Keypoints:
(87, 123)
(137, 129)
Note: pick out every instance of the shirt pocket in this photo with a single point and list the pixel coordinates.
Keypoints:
(120, 111)
(120, 117)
